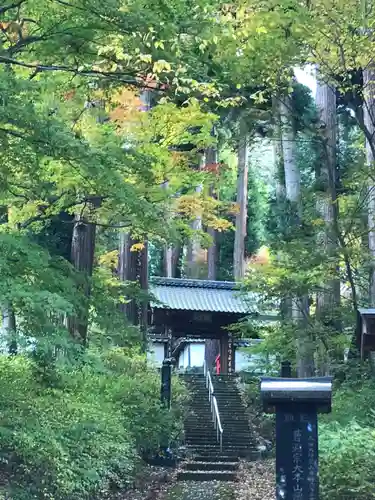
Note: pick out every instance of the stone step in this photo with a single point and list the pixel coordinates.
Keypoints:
(227, 436)
(198, 441)
(248, 438)
(201, 441)
(208, 449)
(229, 400)
(216, 465)
(207, 417)
(228, 409)
(199, 435)
(216, 458)
(206, 476)
(226, 443)
(231, 430)
(203, 425)
(236, 411)
(199, 402)
(224, 383)
(228, 423)
(235, 415)
(234, 453)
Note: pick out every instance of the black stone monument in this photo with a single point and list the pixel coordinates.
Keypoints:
(166, 375)
(297, 403)
(286, 369)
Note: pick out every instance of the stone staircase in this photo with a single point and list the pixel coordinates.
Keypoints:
(209, 462)
(237, 435)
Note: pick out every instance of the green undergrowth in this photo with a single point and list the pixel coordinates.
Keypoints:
(82, 435)
(347, 441)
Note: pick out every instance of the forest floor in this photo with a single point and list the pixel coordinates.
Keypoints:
(256, 481)
(200, 490)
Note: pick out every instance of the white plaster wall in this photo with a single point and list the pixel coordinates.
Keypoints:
(183, 359)
(180, 362)
(197, 354)
(155, 353)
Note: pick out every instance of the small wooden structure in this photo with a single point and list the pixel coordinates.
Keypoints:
(198, 309)
(366, 331)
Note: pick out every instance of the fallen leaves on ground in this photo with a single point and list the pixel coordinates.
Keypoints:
(256, 481)
(150, 483)
(201, 490)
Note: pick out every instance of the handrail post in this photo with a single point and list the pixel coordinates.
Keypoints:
(213, 405)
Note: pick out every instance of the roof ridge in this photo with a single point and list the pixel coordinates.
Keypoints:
(193, 283)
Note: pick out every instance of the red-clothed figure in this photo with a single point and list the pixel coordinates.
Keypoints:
(217, 361)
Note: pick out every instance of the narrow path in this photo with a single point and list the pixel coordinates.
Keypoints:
(201, 490)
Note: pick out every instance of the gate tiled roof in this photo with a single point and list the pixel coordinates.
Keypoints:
(201, 295)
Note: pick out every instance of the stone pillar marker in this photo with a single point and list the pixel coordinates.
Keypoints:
(165, 389)
(297, 403)
(286, 369)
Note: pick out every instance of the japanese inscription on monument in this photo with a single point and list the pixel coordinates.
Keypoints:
(296, 457)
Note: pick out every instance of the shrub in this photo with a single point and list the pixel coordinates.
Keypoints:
(82, 435)
(347, 442)
(347, 461)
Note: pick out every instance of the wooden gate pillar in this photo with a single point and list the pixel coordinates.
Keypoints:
(224, 348)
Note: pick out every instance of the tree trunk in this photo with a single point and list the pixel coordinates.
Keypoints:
(289, 147)
(212, 346)
(82, 257)
(143, 283)
(211, 159)
(168, 261)
(9, 326)
(176, 260)
(299, 312)
(167, 257)
(194, 249)
(127, 272)
(133, 268)
(305, 343)
(241, 217)
(278, 157)
(329, 298)
(369, 123)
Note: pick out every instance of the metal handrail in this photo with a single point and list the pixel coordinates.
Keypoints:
(214, 408)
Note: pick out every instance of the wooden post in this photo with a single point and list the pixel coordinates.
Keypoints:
(224, 348)
(286, 369)
(165, 389)
(230, 353)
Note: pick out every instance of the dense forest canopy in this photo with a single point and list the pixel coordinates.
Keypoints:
(173, 139)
